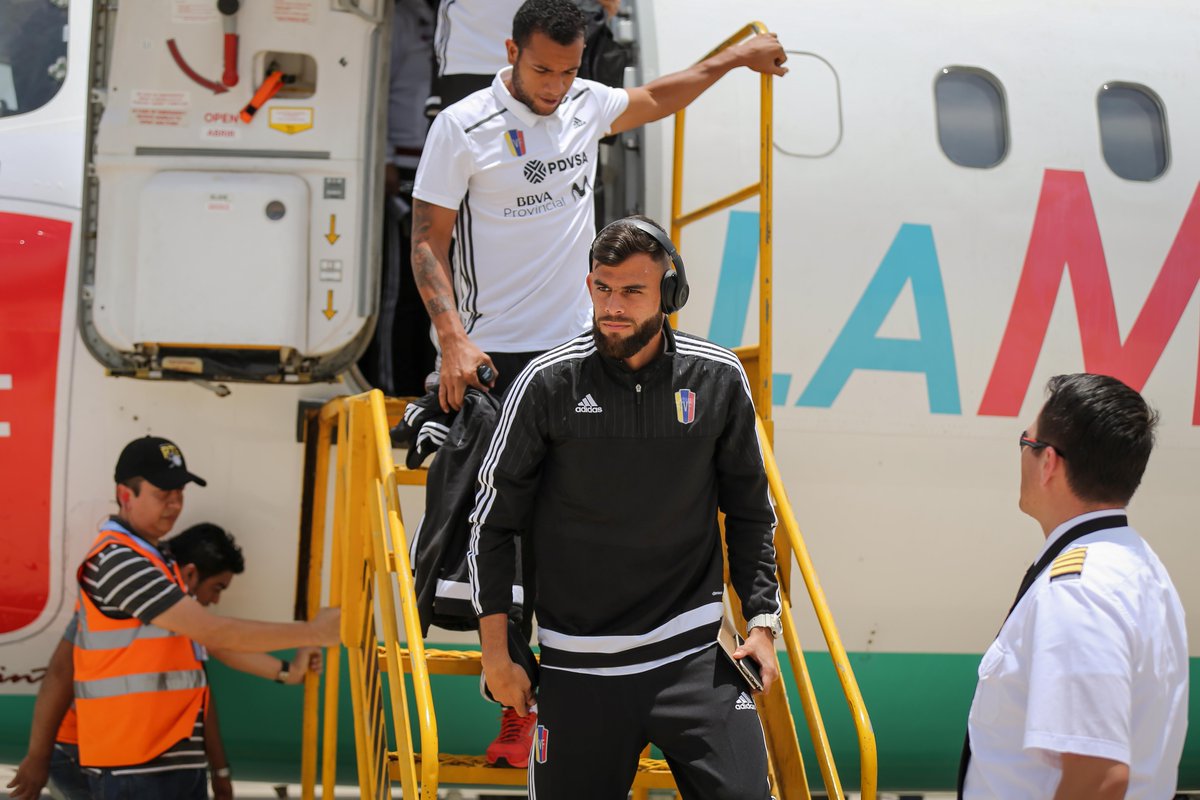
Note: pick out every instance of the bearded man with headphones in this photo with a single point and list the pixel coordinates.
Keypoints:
(615, 452)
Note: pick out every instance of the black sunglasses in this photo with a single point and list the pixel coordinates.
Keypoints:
(1034, 444)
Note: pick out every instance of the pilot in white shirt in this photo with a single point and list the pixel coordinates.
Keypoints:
(1084, 691)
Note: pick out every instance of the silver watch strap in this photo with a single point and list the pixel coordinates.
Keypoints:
(768, 621)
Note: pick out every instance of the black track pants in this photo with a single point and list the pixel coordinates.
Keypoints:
(697, 710)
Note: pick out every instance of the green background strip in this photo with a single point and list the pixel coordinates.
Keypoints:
(918, 705)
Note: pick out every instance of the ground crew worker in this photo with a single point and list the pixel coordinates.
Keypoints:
(508, 174)
(1084, 692)
(208, 558)
(614, 452)
(140, 686)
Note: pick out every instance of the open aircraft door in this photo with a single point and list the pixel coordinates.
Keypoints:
(234, 160)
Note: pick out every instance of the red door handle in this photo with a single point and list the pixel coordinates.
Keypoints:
(230, 78)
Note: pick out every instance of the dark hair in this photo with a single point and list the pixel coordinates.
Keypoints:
(618, 241)
(561, 20)
(1106, 431)
(210, 548)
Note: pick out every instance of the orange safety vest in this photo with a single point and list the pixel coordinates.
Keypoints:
(138, 688)
(68, 731)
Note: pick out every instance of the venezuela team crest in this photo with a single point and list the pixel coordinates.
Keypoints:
(515, 139)
(685, 406)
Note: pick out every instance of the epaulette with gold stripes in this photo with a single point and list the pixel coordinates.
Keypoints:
(1069, 563)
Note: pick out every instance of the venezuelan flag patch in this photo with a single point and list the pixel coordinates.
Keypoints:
(515, 140)
(541, 744)
(685, 406)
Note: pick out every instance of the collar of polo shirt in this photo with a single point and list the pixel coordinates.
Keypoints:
(519, 109)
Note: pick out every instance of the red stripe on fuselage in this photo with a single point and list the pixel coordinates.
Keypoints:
(33, 269)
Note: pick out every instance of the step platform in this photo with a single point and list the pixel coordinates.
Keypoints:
(460, 770)
(464, 770)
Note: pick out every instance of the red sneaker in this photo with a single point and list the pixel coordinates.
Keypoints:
(514, 741)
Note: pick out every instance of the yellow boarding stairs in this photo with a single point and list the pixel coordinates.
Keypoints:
(371, 580)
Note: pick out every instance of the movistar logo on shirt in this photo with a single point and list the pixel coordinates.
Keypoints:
(537, 171)
(580, 190)
(588, 406)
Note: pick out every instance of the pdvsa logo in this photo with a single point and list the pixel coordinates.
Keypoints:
(537, 171)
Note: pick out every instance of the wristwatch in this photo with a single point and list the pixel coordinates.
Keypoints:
(285, 667)
(769, 621)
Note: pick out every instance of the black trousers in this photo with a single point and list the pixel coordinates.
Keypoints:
(697, 710)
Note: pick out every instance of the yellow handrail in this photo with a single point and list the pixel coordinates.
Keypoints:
(369, 561)
(758, 361)
(400, 566)
(868, 755)
(760, 378)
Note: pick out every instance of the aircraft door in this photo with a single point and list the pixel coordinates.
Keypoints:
(234, 170)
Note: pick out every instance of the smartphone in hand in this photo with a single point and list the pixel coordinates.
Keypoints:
(729, 641)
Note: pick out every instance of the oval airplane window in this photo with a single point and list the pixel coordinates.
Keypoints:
(33, 53)
(808, 108)
(1133, 131)
(972, 118)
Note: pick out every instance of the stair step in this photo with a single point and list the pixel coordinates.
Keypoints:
(411, 477)
(652, 773)
(440, 662)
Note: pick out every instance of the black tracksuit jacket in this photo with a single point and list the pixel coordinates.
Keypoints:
(619, 485)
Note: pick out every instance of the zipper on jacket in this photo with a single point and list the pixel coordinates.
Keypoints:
(637, 389)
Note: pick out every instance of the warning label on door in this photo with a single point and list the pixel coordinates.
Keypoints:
(184, 11)
(294, 10)
(291, 120)
(151, 107)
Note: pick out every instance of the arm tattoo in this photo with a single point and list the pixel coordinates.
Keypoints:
(426, 269)
(432, 276)
(421, 223)
(438, 305)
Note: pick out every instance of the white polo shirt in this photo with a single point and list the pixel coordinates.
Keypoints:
(522, 185)
(1094, 662)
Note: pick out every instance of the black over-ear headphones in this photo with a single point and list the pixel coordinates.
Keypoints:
(674, 287)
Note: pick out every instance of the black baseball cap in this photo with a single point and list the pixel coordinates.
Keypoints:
(158, 461)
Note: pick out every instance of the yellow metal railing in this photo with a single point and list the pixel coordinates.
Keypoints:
(756, 355)
(369, 574)
(757, 359)
(868, 755)
(371, 581)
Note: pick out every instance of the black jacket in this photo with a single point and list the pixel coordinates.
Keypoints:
(618, 476)
(439, 547)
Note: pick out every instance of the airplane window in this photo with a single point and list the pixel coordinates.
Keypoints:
(1133, 131)
(972, 119)
(33, 53)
